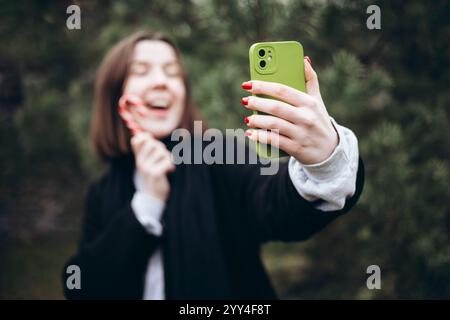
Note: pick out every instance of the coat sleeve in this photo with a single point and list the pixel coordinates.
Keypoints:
(112, 256)
(271, 208)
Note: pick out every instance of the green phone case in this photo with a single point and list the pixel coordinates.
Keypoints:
(282, 63)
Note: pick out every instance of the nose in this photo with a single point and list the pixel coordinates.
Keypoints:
(157, 78)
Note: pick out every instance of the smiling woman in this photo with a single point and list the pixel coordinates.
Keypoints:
(156, 230)
(155, 76)
(126, 68)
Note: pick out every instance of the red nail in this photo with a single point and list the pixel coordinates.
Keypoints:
(244, 101)
(309, 59)
(247, 85)
(134, 132)
(246, 120)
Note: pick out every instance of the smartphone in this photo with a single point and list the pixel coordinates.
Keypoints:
(281, 62)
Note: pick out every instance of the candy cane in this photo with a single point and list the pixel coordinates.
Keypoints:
(126, 102)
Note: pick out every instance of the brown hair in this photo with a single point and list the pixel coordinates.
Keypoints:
(109, 135)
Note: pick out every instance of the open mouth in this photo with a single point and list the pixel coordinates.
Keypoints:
(158, 104)
(158, 107)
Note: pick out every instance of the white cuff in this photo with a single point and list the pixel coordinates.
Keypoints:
(148, 211)
(332, 180)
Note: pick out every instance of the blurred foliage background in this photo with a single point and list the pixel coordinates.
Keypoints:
(391, 86)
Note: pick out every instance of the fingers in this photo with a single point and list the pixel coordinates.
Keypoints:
(288, 94)
(160, 163)
(271, 106)
(152, 150)
(312, 82)
(152, 155)
(271, 123)
(146, 151)
(129, 121)
(279, 109)
(282, 92)
(270, 137)
(138, 140)
(129, 103)
(165, 165)
(126, 115)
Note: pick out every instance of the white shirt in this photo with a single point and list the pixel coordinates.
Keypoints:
(332, 180)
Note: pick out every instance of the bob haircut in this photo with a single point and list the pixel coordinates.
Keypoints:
(110, 137)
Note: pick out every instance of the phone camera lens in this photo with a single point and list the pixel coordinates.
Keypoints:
(262, 64)
(261, 52)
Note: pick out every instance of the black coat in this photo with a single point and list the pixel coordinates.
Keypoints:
(216, 218)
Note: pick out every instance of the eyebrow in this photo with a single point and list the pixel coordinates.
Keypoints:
(149, 64)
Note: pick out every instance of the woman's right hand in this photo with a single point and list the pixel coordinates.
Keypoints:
(154, 163)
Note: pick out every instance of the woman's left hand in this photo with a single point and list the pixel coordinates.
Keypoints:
(299, 123)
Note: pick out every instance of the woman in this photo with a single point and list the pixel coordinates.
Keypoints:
(154, 230)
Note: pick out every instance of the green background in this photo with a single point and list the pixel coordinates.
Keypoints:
(390, 86)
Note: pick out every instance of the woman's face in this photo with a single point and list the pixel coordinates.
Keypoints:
(156, 77)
